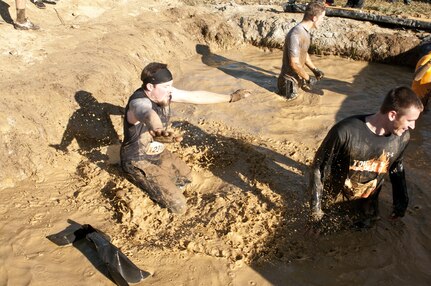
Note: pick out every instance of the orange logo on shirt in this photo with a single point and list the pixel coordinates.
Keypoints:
(379, 165)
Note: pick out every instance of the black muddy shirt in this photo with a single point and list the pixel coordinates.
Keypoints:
(352, 162)
(136, 137)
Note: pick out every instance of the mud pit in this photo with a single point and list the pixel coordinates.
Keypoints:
(244, 225)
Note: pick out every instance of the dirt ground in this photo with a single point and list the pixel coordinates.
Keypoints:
(62, 93)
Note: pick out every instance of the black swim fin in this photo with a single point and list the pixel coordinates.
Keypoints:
(71, 234)
(121, 269)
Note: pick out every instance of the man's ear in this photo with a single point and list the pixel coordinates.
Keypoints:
(149, 86)
(392, 115)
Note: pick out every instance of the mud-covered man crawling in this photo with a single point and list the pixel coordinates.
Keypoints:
(144, 158)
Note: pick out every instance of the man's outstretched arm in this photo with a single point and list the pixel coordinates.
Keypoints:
(207, 97)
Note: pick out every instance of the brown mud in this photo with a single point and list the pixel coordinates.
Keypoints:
(63, 90)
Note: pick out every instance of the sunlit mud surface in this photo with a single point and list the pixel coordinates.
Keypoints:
(247, 200)
(246, 218)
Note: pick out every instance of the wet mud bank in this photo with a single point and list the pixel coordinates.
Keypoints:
(268, 25)
(227, 25)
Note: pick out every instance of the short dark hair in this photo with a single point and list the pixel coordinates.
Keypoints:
(149, 71)
(314, 9)
(400, 99)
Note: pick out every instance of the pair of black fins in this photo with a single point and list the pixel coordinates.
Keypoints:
(122, 271)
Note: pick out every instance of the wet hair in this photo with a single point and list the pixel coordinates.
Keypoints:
(314, 9)
(400, 99)
(155, 73)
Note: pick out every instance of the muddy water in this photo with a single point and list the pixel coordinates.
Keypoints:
(393, 252)
(243, 226)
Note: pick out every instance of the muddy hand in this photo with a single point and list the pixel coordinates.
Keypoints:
(317, 215)
(239, 94)
(307, 85)
(164, 136)
(318, 73)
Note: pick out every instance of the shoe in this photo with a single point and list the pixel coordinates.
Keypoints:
(349, 4)
(292, 96)
(40, 5)
(54, 2)
(27, 25)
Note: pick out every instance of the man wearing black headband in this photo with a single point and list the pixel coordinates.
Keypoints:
(143, 156)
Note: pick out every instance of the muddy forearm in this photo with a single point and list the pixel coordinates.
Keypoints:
(152, 120)
(299, 70)
(316, 189)
(309, 63)
(141, 110)
(399, 190)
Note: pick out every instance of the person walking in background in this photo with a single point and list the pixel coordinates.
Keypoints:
(295, 54)
(358, 4)
(22, 22)
(41, 3)
(353, 159)
(407, 2)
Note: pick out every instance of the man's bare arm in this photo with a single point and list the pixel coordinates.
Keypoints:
(140, 110)
(207, 97)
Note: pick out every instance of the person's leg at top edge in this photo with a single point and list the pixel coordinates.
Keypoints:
(22, 22)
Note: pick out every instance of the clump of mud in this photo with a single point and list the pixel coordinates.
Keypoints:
(245, 202)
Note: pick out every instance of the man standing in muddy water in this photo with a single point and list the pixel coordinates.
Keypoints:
(358, 152)
(143, 155)
(295, 54)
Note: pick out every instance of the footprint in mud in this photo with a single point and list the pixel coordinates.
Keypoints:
(37, 218)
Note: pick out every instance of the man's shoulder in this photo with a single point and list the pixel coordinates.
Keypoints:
(351, 121)
(348, 127)
(298, 28)
(139, 99)
(139, 94)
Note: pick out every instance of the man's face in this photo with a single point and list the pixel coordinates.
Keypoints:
(161, 93)
(402, 122)
(317, 20)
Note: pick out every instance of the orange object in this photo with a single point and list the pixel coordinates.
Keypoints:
(422, 87)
